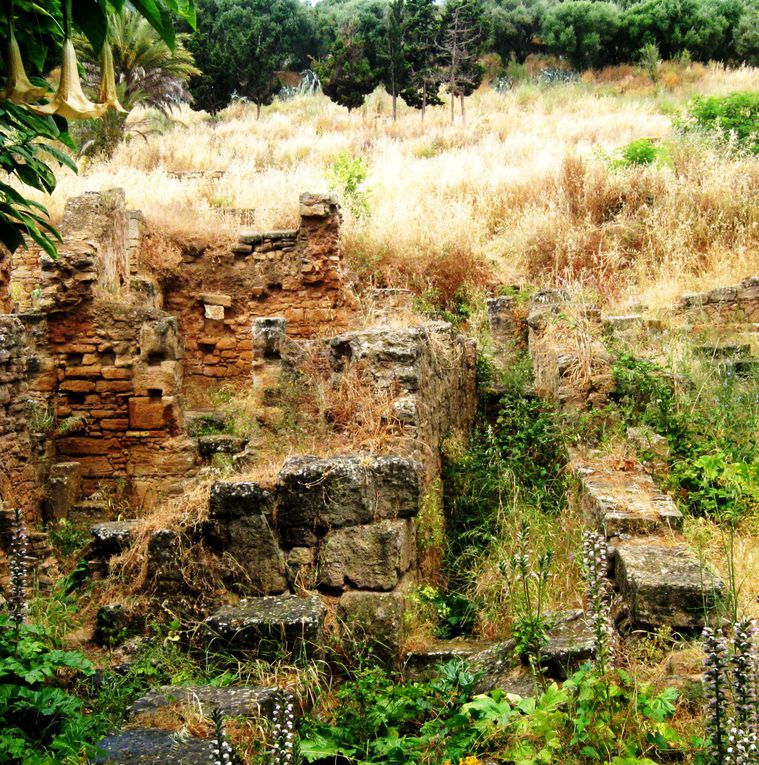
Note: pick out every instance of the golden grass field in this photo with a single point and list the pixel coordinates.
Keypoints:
(523, 192)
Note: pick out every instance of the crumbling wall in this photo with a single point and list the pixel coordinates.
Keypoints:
(428, 370)
(571, 366)
(18, 472)
(724, 305)
(292, 274)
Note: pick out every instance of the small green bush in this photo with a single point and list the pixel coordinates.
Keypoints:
(734, 117)
(347, 177)
(642, 151)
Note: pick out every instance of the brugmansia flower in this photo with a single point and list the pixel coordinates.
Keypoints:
(69, 100)
(107, 94)
(18, 87)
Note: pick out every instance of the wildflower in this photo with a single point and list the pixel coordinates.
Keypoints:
(17, 604)
(221, 750)
(715, 691)
(595, 565)
(283, 717)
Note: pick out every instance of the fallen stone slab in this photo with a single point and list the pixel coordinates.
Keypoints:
(112, 537)
(220, 444)
(149, 746)
(372, 624)
(421, 664)
(570, 643)
(233, 701)
(623, 502)
(665, 584)
(499, 668)
(269, 627)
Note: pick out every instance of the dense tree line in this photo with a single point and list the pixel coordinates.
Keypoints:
(415, 47)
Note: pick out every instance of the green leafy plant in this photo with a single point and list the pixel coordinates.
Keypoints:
(734, 117)
(347, 176)
(454, 613)
(642, 151)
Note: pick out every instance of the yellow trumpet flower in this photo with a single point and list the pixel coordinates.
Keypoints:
(18, 88)
(107, 94)
(69, 100)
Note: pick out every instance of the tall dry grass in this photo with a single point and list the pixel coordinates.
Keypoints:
(520, 193)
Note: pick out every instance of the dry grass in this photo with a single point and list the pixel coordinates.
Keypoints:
(519, 193)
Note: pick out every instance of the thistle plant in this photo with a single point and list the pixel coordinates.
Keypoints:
(283, 746)
(17, 563)
(222, 750)
(527, 584)
(595, 566)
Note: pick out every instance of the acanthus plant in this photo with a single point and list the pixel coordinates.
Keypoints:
(595, 566)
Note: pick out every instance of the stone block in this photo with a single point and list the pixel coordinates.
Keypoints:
(239, 499)
(112, 537)
(570, 643)
(215, 298)
(164, 565)
(323, 493)
(421, 664)
(159, 340)
(665, 584)
(233, 701)
(269, 336)
(372, 625)
(269, 627)
(152, 746)
(148, 414)
(214, 312)
(64, 488)
(220, 444)
(371, 557)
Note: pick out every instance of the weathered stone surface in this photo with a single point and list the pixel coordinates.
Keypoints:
(570, 643)
(497, 666)
(233, 701)
(323, 493)
(164, 565)
(372, 624)
(648, 441)
(220, 444)
(269, 627)
(421, 664)
(112, 537)
(623, 501)
(241, 524)
(199, 422)
(269, 336)
(150, 746)
(371, 557)
(63, 490)
(665, 584)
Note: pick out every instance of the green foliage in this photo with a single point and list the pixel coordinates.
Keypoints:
(642, 151)
(733, 118)
(710, 421)
(347, 176)
(582, 31)
(454, 613)
(66, 539)
(40, 721)
(422, 29)
(650, 59)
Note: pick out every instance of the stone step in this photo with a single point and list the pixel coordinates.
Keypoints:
(151, 746)
(665, 584)
(269, 627)
(421, 663)
(198, 422)
(89, 511)
(220, 444)
(233, 701)
(623, 501)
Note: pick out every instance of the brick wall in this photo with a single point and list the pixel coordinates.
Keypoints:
(293, 274)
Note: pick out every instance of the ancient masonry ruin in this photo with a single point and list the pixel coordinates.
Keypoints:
(101, 357)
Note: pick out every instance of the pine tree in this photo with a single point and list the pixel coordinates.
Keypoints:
(422, 54)
(396, 74)
(461, 43)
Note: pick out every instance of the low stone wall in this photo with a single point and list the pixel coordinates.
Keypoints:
(724, 305)
(296, 275)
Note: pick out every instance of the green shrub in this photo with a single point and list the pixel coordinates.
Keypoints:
(734, 117)
(347, 177)
(642, 151)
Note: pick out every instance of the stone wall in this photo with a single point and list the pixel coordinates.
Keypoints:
(428, 371)
(724, 305)
(18, 471)
(572, 367)
(5, 280)
(296, 275)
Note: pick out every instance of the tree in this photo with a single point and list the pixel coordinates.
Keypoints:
(396, 70)
(241, 45)
(145, 70)
(585, 32)
(346, 75)
(34, 35)
(462, 36)
(746, 36)
(422, 55)
(702, 28)
(514, 28)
